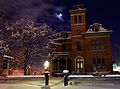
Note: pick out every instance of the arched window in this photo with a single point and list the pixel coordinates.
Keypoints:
(79, 65)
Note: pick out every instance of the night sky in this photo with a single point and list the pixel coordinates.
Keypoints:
(105, 12)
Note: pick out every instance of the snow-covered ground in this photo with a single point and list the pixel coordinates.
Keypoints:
(38, 85)
(57, 83)
(80, 76)
(25, 76)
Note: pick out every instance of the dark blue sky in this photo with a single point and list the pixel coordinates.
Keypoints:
(105, 12)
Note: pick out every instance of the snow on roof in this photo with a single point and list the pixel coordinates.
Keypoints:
(96, 27)
(63, 35)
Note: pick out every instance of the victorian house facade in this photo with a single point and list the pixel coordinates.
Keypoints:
(82, 50)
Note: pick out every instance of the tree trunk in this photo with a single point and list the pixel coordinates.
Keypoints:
(25, 67)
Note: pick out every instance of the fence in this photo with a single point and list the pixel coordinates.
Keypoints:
(21, 77)
(90, 79)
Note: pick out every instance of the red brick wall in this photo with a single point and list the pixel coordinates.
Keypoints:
(90, 54)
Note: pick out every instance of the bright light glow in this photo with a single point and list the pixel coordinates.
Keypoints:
(60, 15)
(116, 68)
(46, 64)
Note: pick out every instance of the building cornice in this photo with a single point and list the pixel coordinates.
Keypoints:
(97, 33)
(77, 11)
(94, 34)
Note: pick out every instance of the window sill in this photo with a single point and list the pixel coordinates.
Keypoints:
(98, 50)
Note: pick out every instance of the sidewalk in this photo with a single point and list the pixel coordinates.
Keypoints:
(89, 86)
(54, 83)
(85, 87)
(57, 83)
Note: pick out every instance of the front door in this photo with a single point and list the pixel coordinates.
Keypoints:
(79, 65)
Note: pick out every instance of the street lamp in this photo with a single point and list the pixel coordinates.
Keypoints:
(46, 65)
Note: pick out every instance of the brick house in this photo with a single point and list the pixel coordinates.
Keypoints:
(82, 50)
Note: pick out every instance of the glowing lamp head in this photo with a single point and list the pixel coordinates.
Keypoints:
(46, 64)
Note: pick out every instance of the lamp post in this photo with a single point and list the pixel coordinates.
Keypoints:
(46, 65)
(46, 73)
(66, 73)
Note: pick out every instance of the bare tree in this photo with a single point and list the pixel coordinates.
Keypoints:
(29, 41)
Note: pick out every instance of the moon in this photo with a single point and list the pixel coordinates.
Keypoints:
(60, 15)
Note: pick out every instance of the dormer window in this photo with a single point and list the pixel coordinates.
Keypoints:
(96, 29)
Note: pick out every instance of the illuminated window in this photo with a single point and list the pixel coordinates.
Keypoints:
(81, 65)
(78, 65)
